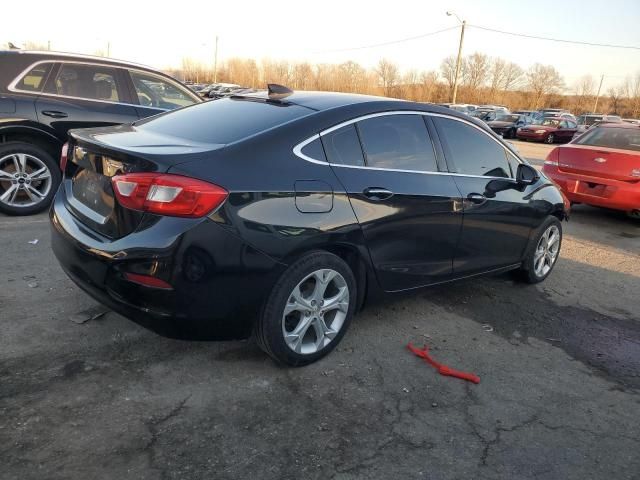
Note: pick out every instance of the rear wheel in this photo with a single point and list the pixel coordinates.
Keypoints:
(308, 310)
(543, 252)
(29, 177)
(550, 138)
(635, 214)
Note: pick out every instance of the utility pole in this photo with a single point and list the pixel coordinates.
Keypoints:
(459, 59)
(49, 45)
(215, 63)
(108, 49)
(595, 106)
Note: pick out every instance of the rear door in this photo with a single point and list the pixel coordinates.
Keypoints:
(408, 209)
(497, 222)
(84, 95)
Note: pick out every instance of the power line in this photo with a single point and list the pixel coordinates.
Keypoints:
(402, 40)
(561, 40)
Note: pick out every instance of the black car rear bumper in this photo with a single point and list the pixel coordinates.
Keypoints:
(218, 281)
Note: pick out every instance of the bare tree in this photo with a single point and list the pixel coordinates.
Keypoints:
(513, 76)
(428, 85)
(542, 80)
(615, 97)
(475, 71)
(388, 75)
(497, 72)
(448, 70)
(584, 93)
(631, 88)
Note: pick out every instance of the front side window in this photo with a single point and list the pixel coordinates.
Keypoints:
(157, 92)
(34, 80)
(399, 142)
(342, 146)
(94, 82)
(472, 152)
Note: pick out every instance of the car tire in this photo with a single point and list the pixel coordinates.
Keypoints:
(20, 193)
(635, 214)
(550, 139)
(542, 248)
(296, 327)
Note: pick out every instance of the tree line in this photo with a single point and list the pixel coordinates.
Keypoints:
(482, 80)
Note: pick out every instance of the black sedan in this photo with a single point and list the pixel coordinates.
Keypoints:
(507, 125)
(280, 214)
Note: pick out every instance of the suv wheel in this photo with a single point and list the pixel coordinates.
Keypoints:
(308, 310)
(29, 178)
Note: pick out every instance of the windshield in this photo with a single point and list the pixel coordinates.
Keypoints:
(611, 137)
(508, 118)
(223, 121)
(550, 122)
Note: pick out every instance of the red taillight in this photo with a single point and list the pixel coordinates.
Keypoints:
(166, 194)
(64, 155)
(147, 281)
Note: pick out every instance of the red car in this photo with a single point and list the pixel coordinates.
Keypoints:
(600, 167)
(549, 130)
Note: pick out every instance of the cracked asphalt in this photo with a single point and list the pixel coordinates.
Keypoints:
(84, 395)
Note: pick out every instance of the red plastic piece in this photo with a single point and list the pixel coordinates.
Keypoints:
(442, 369)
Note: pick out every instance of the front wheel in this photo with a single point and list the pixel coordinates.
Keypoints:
(550, 139)
(29, 177)
(308, 310)
(543, 252)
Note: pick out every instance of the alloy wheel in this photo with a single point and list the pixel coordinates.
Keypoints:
(25, 180)
(315, 311)
(550, 138)
(547, 251)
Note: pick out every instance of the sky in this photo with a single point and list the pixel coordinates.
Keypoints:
(160, 33)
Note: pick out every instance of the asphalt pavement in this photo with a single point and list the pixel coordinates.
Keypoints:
(85, 393)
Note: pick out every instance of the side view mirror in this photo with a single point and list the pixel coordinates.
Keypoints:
(526, 174)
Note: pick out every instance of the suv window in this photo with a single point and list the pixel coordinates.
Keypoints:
(397, 142)
(222, 121)
(94, 82)
(34, 80)
(155, 91)
(471, 151)
(342, 146)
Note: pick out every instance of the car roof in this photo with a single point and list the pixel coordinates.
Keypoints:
(618, 125)
(60, 56)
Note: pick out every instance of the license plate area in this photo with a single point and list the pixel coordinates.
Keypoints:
(93, 191)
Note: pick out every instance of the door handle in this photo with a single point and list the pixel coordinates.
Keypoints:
(54, 114)
(377, 193)
(476, 198)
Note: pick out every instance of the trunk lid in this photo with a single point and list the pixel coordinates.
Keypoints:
(96, 155)
(602, 162)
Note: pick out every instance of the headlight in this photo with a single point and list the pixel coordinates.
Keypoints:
(541, 131)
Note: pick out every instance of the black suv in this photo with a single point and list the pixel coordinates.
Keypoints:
(45, 94)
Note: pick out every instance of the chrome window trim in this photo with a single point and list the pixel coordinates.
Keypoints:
(12, 85)
(297, 150)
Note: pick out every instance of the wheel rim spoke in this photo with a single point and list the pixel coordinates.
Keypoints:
(310, 321)
(14, 167)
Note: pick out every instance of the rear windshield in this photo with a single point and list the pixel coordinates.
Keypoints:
(223, 121)
(622, 138)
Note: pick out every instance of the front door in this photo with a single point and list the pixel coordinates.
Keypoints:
(498, 217)
(408, 210)
(83, 96)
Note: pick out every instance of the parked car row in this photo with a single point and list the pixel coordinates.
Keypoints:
(219, 90)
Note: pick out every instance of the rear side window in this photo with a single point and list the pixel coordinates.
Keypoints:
(223, 121)
(398, 142)
(93, 82)
(35, 79)
(471, 152)
(155, 91)
(622, 138)
(342, 146)
(314, 150)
